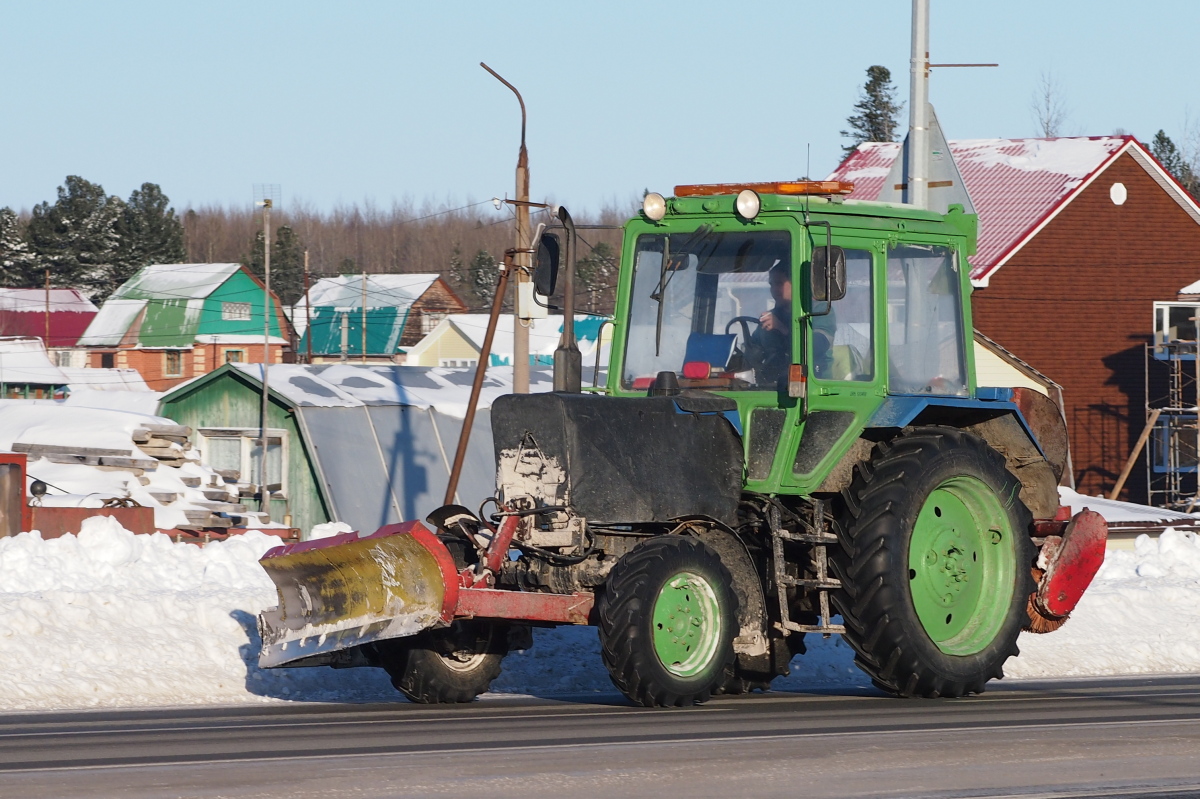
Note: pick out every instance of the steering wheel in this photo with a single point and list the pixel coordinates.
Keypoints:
(750, 352)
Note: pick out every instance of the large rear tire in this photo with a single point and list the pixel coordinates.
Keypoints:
(935, 563)
(668, 617)
(446, 666)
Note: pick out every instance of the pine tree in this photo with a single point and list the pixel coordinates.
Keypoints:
(18, 266)
(874, 117)
(484, 272)
(1174, 161)
(149, 231)
(77, 237)
(287, 263)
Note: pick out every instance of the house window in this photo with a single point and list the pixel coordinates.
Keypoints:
(236, 454)
(458, 363)
(172, 363)
(233, 356)
(429, 320)
(108, 360)
(235, 311)
(62, 357)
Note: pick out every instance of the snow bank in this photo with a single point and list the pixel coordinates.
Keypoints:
(110, 619)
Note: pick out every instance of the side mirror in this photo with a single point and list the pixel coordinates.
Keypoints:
(545, 267)
(828, 274)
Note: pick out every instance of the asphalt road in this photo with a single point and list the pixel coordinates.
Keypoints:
(1111, 738)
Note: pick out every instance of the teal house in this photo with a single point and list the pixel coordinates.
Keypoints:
(173, 322)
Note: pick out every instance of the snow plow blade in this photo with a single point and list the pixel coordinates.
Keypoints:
(340, 592)
(1067, 564)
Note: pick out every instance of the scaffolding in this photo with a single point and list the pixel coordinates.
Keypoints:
(1172, 417)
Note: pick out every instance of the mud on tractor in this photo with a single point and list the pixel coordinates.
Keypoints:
(790, 432)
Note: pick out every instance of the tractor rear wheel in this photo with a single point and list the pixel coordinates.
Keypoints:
(935, 563)
(668, 617)
(446, 666)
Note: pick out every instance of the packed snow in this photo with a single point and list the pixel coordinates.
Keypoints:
(112, 619)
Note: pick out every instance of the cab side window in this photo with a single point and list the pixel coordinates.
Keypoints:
(843, 340)
(925, 327)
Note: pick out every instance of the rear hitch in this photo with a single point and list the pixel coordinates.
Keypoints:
(1065, 568)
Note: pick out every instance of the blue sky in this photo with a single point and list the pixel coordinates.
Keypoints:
(384, 101)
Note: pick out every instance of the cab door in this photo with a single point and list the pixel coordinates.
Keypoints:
(846, 364)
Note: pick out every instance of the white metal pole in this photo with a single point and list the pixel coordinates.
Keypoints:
(265, 497)
(918, 108)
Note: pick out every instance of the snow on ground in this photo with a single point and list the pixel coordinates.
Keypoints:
(110, 619)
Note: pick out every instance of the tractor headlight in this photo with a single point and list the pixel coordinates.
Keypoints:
(748, 204)
(654, 206)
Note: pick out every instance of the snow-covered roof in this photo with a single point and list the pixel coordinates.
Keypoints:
(175, 281)
(35, 301)
(104, 379)
(110, 325)
(544, 334)
(350, 386)
(346, 292)
(24, 360)
(1125, 513)
(1016, 185)
(227, 338)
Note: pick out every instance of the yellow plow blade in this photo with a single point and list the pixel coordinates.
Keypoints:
(344, 591)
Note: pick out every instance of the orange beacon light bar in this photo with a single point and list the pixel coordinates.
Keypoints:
(795, 187)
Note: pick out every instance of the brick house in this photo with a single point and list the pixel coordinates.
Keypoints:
(1077, 238)
(173, 322)
(399, 311)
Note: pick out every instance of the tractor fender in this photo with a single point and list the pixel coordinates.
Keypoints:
(1024, 426)
(751, 643)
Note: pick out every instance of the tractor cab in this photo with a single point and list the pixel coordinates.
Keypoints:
(805, 309)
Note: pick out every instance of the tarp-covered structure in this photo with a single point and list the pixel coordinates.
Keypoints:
(370, 445)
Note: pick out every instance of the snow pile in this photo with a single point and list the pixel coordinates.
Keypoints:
(1140, 616)
(110, 619)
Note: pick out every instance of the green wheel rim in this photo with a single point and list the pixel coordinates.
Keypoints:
(686, 624)
(962, 565)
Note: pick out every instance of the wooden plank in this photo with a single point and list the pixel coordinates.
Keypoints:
(168, 429)
(55, 449)
(127, 463)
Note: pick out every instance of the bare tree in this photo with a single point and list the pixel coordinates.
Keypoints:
(1049, 109)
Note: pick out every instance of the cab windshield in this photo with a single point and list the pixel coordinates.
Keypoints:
(714, 308)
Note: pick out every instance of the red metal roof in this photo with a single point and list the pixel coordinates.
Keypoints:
(1016, 185)
(23, 313)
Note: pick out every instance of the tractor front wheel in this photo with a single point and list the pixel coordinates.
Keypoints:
(668, 617)
(452, 665)
(935, 563)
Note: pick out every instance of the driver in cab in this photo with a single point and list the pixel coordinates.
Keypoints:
(774, 335)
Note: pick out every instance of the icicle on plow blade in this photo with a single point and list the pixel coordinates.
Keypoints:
(340, 592)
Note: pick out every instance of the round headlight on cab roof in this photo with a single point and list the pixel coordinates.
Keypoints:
(654, 206)
(748, 204)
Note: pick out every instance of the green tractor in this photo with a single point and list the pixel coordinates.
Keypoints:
(790, 432)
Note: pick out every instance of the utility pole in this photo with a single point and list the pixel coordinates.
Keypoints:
(521, 256)
(363, 308)
(307, 312)
(264, 503)
(918, 109)
(345, 336)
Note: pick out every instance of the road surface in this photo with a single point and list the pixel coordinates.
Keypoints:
(1111, 738)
